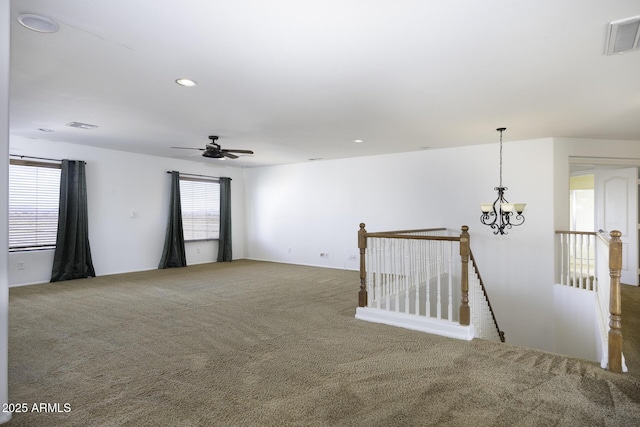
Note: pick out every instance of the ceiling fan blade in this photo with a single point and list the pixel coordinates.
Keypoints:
(229, 155)
(188, 148)
(238, 151)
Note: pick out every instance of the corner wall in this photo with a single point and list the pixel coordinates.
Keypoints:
(295, 212)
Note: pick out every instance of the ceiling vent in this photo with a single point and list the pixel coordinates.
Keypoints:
(623, 35)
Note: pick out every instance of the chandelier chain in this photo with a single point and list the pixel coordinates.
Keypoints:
(501, 130)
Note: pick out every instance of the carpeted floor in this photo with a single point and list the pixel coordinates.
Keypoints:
(262, 344)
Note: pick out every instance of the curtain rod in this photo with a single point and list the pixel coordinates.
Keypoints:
(43, 158)
(193, 174)
(37, 158)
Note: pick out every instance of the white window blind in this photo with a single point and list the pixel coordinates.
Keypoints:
(200, 202)
(34, 192)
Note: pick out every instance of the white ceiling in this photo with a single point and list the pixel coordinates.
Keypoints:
(295, 80)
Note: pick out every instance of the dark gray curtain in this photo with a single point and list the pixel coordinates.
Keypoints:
(224, 244)
(72, 258)
(173, 254)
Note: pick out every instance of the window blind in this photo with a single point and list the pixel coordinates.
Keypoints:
(34, 192)
(200, 203)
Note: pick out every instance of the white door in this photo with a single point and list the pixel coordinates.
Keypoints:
(616, 200)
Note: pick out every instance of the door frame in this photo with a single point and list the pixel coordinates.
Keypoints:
(577, 164)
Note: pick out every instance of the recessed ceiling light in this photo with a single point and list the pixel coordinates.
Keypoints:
(358, 141)
(45, 130)
(38, 23)
(81, 125)
(186, 82)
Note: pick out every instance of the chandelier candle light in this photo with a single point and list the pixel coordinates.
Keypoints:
(501, 215)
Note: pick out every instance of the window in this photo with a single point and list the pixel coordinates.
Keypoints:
(200, 202)
(34, 192)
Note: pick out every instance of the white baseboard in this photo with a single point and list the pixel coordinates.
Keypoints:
(305, 265)
(417, 323)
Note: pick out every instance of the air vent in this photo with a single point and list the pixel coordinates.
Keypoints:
(623, 35)
(81, 125)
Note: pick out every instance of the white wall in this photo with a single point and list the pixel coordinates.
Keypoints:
(577, 331)
(119, 184)
(4, 195)
(294, 212)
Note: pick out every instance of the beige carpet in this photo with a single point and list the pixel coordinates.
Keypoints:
(263, 344)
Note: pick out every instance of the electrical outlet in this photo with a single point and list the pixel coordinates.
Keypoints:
(324, 255)
(352, 257)
(197, 250)
(20, 265)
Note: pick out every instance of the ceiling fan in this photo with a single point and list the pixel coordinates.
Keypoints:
(214, 151)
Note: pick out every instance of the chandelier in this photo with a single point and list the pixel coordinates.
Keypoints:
(502, 215)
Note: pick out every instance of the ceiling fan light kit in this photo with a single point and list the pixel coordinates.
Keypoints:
(502, 215)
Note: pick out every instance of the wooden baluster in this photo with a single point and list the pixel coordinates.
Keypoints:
(362, 245)
(615, 306)
(465, 312)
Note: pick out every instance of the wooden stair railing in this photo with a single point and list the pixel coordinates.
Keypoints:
(362, 246)
(465, 256)
(573, 273)
(486, 296)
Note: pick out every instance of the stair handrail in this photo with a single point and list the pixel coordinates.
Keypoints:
(486, 296)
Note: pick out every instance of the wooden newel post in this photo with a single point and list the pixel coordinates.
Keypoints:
(465, 311)
(615, 304)
(362, 245)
